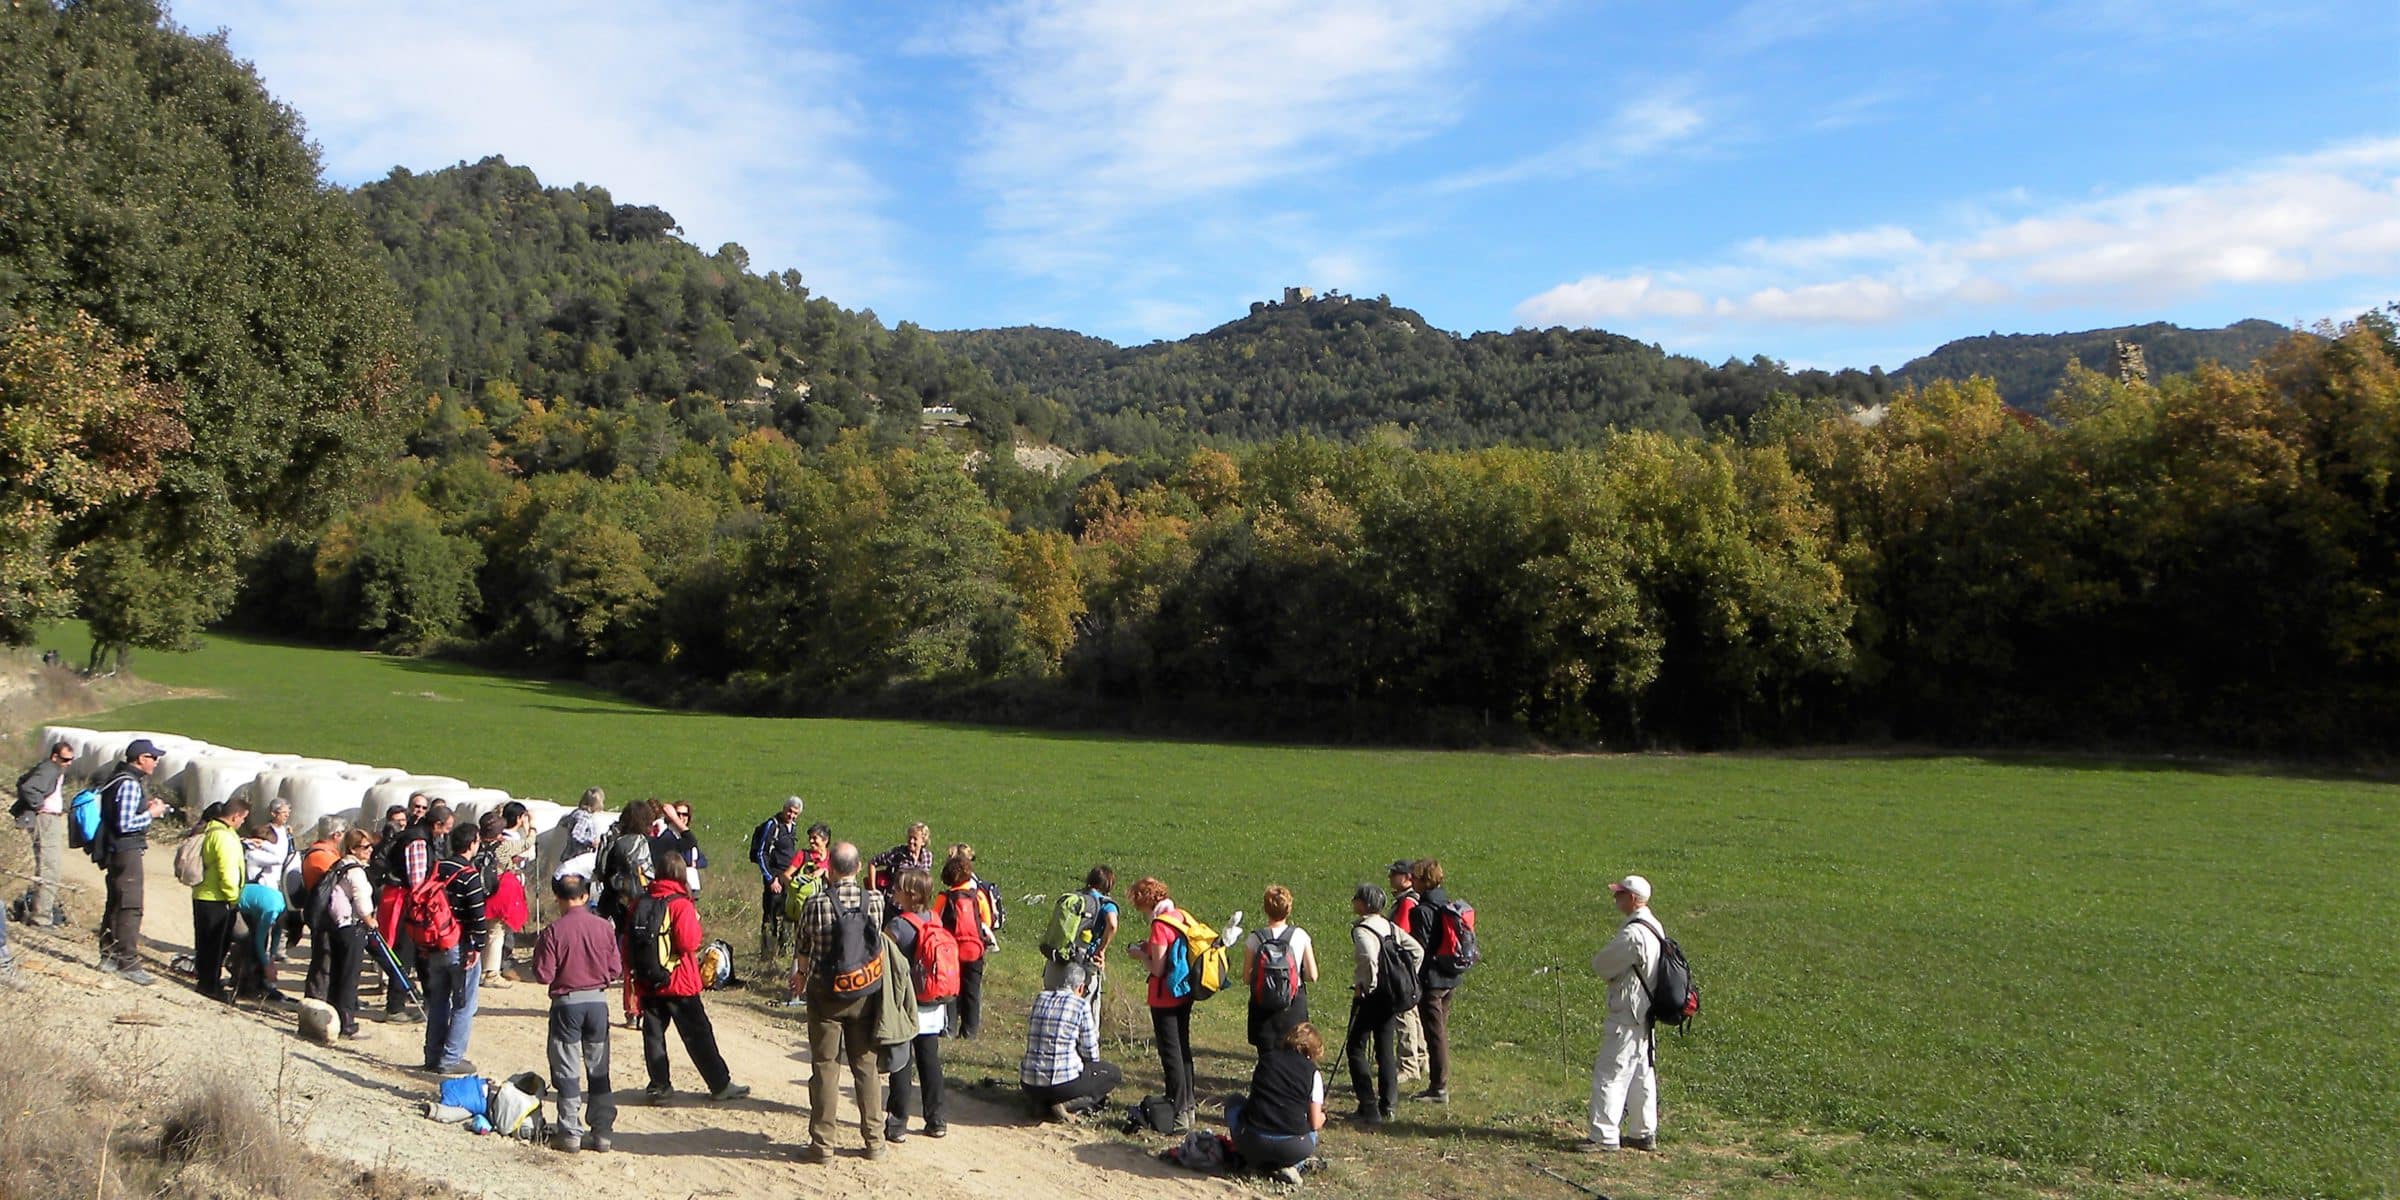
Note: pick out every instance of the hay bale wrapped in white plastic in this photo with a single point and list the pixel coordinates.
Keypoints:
(545, 815)
(315, 796)
(213, 778)
(384, 795)
(281, 760)
(371, 775)
(72, 735)
(322, 766)
(476, 801)
(174, 762)
(99, 755)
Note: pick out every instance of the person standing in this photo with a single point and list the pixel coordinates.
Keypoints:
(42, 807)
(925, 1050)
(774, 846)
(577, 957)
(1273, 1015)
(1098, 885)
(1062, 1073)
(1373, 1012)
(1624, 1111)
(1409, 1032)
(914, 854)
(668, 909)
(348, 914)
(126, 810)
(962, 909)
(1170, 1014)
(840, 933)
(453, 974)
(1433, 1006)
(214, 897)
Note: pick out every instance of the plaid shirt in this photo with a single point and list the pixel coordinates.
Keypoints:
(1059, 1039)
(816, 917)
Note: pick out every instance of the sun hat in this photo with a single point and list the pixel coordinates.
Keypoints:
(1639, 886)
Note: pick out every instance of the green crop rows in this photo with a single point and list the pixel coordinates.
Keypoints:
(2125, 968)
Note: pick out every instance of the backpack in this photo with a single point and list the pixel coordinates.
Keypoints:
(1197, 962)
(630, 869)
(1676, 999)
(425, 913)
(796, 892)
(1454, 948)
(649, 942)
(1274, 977)
(857, 953)
(189, 868)
(83, 819)
(956, 904)
(935, 964)
(1074, 933)
(1395, 976)
(991, 900)
(319, 908)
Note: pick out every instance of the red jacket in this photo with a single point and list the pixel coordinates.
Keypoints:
(683, 933)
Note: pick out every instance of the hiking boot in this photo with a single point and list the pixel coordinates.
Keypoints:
(1640, 1143)
(875, 1152)
(275, 996)
(566, 1143)
(816, 1155)
(659, 1097)
(1433, 1096)
(1289, 1176)
(1371, 1118)
(937, 1130)
(137, 976)
(456, 1066)
(1186, 1120)
(599, 1143)
(354, 1035)
(895, 1131)
(731, 1091)
(1058, 1114)
(1588, 1146)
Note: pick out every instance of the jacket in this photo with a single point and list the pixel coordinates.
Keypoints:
(1366, 943)
(221, 864)
(320, 858)
(896, 1012)
(34, 786)
(1629, 962)
(578, 953)
(683, 936)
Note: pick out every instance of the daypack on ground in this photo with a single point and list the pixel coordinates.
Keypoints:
(1395, 977)
(649, 942)
(426, 914)
(857, 953)
(1676, 999)
(935, 964)
(189, 869)
(1454, 949)
(1274, 977)
(1074, 932)
(1197, 962)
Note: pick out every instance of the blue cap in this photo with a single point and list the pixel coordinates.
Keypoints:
(140, 747)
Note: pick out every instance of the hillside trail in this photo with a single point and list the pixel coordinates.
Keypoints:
(364, 1101)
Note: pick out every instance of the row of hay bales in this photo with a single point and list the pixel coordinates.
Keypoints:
(193, 774)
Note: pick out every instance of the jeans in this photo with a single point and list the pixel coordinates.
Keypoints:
(579, 1063)
(925, 1066)
(1266, 1151)
(212, 939)
(450, 995)
(1172, 1027)
(1372, 1023)
(121, 916)
(968, 1008)
(344, 951)
(1434, 1011)
(690, 1018)
(836, 1028)
(1081, 1094)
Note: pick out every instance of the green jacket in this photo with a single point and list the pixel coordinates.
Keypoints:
(896, 1016)
(221, 874)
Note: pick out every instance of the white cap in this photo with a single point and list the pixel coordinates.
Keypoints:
(1639, 886)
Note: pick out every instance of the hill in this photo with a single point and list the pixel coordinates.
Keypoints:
(2030, 367)
(1343, 367)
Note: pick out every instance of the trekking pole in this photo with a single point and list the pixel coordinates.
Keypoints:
(1558, 995)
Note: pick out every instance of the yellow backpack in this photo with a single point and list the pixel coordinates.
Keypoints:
(1198, 964)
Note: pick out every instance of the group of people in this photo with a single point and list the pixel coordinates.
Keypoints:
(887, 957)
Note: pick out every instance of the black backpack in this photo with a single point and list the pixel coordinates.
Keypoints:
(319, 913)
(1395, 976)
(1676, 999)
(649, 945)
(1274, 981)
(857, 952)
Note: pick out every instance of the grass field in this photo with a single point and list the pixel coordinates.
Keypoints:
(2017, 975)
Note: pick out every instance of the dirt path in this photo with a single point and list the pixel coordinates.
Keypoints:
(363, 1101)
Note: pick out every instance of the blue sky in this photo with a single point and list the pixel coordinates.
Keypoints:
(1828, 182)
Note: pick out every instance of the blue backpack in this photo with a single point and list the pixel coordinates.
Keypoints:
(83, 818)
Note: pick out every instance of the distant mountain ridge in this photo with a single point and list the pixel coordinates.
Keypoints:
(2030, 367)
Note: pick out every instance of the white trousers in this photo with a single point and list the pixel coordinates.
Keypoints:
(1623, 1079)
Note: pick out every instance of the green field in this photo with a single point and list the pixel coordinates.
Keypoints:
(2128, 971)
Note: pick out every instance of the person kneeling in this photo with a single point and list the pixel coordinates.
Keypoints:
(1275, 1127)
(1062, 1073)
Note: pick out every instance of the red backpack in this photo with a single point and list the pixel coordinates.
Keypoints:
(426, 913)
(962, 915)
(936, 962)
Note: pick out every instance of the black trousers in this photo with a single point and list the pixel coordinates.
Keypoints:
(212, 936)
(925, 1066)
(970, 999)
(1172, 1028)
(121, 914)
(344, 951)
(1373, 1024)
(690, 1019)
(1083, 1093)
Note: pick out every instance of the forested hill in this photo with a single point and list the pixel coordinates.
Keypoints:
(2030, 367)
(521, 291)
(1342, 367)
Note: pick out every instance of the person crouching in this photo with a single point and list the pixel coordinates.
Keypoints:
(1062, 1073)
(1275, 1127)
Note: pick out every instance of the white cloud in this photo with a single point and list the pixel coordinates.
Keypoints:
(726, 113)
(2317, 218)
(1647, 125)
(1100, 115)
